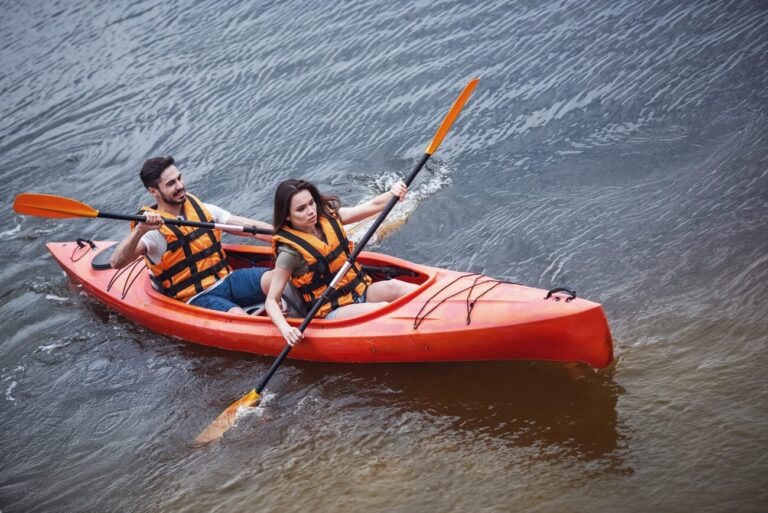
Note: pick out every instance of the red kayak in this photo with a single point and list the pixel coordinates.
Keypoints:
(451, 316)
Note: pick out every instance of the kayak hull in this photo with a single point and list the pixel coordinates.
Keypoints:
(433, 323)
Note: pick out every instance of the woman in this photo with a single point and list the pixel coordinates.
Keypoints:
(310, 245)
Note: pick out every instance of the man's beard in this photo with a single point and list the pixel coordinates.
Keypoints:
(171, 201)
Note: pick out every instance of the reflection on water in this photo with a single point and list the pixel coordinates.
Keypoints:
(563, 410)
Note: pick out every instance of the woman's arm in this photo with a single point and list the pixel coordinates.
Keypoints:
(244, 221)
(373, 206)
(280, 278)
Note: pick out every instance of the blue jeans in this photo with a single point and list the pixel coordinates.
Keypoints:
(358, 300)
(241, 288)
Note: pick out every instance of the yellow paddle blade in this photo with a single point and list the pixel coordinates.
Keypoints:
(451, 116)
(48, 205)
(389, 226)
(227, 419)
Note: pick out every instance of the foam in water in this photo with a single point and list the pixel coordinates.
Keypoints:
(436, 180)
(48, 348)
(258, 410)
(13, 383)
(9, 391)
(9, 234)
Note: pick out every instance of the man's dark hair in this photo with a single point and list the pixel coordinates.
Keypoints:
(153, 168)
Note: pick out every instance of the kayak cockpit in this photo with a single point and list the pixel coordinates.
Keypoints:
(241, 256)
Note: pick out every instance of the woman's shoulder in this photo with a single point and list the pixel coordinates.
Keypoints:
(288, 258)
(285, 248)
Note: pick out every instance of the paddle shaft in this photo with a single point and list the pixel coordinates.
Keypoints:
(227, 419)
(182, 222)
(326, 296)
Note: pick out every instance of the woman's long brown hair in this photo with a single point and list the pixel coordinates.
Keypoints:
(287, 189)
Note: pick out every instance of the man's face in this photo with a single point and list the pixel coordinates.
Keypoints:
(170, 188)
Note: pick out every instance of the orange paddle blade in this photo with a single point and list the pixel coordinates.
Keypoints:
(48, 205)
(451, 116)
(227, 419)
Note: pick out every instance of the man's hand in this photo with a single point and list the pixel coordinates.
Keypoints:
(153, 222)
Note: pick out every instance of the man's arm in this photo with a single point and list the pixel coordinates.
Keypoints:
(131, 247)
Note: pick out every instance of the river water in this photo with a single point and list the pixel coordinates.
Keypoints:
(617, 147)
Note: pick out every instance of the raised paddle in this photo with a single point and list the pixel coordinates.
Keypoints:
(48, 205)
(225, 421)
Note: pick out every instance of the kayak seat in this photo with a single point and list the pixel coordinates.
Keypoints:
(259, 309)
(101, 261)
(291, 300)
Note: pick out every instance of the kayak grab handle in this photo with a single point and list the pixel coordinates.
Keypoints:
(81, 242)
(562, 289)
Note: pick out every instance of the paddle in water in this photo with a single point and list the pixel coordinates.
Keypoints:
(49, 205)
(227, 419)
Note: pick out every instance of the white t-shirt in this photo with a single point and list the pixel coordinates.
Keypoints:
(155, 241)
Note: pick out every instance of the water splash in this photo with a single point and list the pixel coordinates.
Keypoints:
(438, 176)
(259, 410)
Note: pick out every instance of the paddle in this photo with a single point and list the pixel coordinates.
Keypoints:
(48, 205)
(225, 421)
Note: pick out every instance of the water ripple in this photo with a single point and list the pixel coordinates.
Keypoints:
(617, 147)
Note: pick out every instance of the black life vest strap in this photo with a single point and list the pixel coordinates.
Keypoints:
(195, 280)
(349, 288)
(201, 215)
(183, 241)
(343, 242)
(321, 267)
(319, 281)
(306, 246)
(186, 239)
(172, 271)
(321, 275)
(189, 261)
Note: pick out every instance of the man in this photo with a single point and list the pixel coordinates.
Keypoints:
(189, 264)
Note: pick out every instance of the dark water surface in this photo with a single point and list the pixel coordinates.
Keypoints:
(618, 147)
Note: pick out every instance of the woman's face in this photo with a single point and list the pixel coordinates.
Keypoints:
(303, 211)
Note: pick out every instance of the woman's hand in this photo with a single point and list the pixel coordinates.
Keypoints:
(279, 280)
(373, 206)
(292, 335)
(399, 190)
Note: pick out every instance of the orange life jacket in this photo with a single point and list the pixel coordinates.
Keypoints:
(324, 260)
(194, 259)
